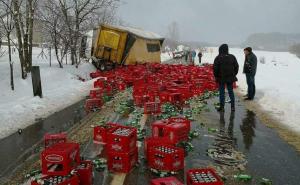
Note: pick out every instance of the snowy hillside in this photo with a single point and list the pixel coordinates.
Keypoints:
(61, 88)
(277, 83)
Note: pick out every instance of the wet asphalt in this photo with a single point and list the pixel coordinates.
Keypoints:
(267, 154)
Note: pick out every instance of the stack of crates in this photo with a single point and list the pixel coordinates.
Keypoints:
(100, 132)
(178, 129)
(122, 149)
(166, 157)
(166, 181)
(61, 164)
(175, 129)
(96, 93)
(205, 176)
(60, 159)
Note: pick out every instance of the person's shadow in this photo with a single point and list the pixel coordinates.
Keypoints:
(229, 133)
(248, 129)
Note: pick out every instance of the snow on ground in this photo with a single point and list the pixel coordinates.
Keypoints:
(61, 88)
(277, 83)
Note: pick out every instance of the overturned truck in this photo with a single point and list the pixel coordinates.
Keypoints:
(117, 45)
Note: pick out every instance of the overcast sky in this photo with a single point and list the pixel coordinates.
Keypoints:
(213, 20)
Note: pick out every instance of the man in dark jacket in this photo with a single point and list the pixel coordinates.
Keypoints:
(225, 70)
(250, 71)
(200, 56)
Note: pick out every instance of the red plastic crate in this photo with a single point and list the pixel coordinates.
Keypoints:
(166, 181)
(152, 108)
(100, 132)
(91, 104)
(170, 159)
(100, 83)
(121, 139)
(192, 179)
(65, 180)
(176, 132)
(60, 159)
(155, 141)
(96, 93)
(181, 120)
(158, 127)
(51, 139)
(85, 173)
(122, 162)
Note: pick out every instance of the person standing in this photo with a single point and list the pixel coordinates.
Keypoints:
(200, 56)
(225, 69)
(193, 56)
(250, 67)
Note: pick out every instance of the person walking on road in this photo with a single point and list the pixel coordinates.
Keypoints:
(200, 56)
(250, 67)
(225, 69)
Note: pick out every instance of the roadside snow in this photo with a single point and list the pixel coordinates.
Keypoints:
(61, 88)
(277, 83)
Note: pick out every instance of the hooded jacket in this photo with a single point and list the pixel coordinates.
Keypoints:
(225, 66)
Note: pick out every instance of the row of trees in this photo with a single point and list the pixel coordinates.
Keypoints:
(295, 49)
(62, 23)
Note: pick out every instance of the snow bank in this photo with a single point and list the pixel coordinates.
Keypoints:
(277, 83)
(61, 88)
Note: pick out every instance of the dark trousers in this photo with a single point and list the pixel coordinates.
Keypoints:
(199, 60)
(222, 93)
(251, 85)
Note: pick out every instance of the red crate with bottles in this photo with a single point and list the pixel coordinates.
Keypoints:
(100, 132)
(122, 162)
(166, 158)
(60, 159)
(121, 139)
(204, 176)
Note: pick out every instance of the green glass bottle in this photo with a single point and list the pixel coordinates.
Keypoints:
(242, 177)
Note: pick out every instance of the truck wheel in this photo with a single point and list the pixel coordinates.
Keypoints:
(102, 66)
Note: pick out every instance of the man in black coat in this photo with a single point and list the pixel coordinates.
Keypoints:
(250, 71)
(200, 56)
(225, 70)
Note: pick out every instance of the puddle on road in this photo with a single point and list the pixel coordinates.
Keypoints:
(267, 154)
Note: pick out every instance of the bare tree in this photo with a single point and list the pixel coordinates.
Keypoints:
(6, 20)
(23, 16)
(54, 29)
(76, 14)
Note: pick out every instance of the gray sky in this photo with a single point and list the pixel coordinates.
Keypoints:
(213, 20)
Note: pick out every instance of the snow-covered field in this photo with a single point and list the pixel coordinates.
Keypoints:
(277, 83)
(61, 88)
